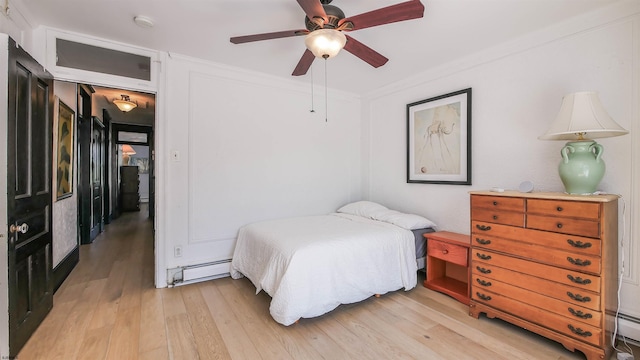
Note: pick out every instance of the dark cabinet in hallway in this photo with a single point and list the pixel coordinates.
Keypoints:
(129, 185)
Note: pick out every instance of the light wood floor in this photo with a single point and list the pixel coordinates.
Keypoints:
(109, 309)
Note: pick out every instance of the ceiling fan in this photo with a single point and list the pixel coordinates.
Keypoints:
(322, 18)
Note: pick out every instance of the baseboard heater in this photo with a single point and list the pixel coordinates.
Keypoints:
(629, 327)
(202, 272)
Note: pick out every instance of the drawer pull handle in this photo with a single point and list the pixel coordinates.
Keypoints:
(495, 203)
(578, 297)
(483, 227)
(579, 280)
(580, 314)
(483, 283)
(559, 225)
(559, 208)
(579, 331)
(579, 244)
(483, 296)
(483, 270)
(483, 241)
(445, 251)
(483, 256)
(495, 217)
(578, 262)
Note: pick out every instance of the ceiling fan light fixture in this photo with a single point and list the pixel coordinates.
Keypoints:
(125, 104)
(325, 43)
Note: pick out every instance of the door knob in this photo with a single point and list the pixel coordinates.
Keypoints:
(19, 228)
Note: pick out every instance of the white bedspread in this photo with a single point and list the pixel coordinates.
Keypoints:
(310, 265)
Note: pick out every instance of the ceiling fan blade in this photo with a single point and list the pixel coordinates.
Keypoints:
(304, 64)
(314, 10)
(267, 36)
(364, 52)
(407, 10)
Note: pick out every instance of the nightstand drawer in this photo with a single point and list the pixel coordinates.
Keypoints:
(448, 252)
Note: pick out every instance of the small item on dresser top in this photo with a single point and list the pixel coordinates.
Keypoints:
(497, 189)
(526, 186)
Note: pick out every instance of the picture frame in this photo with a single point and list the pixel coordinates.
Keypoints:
(64, 136)
(439, 139)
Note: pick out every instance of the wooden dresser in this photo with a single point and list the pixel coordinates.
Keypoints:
(129, 188)
(547, 262)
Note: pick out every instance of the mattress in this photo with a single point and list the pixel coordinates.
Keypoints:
(421, 246)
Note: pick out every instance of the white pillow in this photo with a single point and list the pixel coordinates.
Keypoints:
(362, 208)
(406, 221)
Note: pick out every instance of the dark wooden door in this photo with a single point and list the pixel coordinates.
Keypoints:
(97, 177)
(29, 195)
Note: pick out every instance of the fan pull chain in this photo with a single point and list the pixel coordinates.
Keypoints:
(312, 110)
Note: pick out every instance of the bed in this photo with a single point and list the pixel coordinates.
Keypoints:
(310, 265)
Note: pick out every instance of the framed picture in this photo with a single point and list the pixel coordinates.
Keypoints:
(65, 129)
(439, 139)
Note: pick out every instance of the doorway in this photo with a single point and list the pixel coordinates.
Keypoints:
(135, 167)
(100, 151)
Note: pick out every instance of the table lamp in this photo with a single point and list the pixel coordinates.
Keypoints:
(127, 151)
(581, 119)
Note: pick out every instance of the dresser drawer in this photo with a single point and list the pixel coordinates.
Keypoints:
(573, 328)
(578, 227)
(448, 252)
(562, 293)
(552, 273)
(497, 216)
(484, 232)
(497, 203)
(542, 254)
(575, 312)
(572, 209)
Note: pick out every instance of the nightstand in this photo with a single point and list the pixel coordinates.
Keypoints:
(448, 252)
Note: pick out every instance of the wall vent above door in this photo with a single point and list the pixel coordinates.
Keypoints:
(80, 58)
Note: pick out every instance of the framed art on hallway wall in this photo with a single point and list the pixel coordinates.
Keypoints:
(439, 139)
(65, 129)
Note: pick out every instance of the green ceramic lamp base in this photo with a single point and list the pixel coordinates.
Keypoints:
(582, 167)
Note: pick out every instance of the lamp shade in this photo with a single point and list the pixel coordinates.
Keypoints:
(582, 116)
(128, 150)
(325, 43)
(124, 103)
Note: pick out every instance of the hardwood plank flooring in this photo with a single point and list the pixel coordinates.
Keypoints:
(108, 309)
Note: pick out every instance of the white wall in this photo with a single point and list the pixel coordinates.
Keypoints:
(241, 147)
(517, 91)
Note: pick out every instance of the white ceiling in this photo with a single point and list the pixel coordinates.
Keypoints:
(450, 29)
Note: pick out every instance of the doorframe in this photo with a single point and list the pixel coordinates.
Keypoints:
(83, 116)
(4, 263)
(143, 129)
